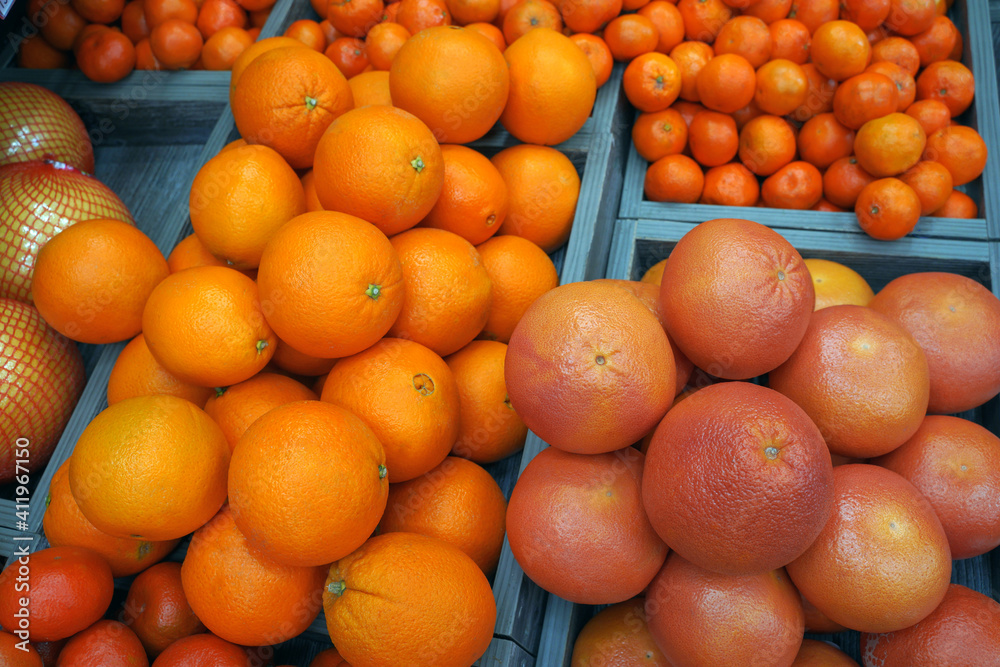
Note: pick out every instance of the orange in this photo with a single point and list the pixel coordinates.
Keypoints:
(730, 185)
(865, 97)
(328, 658)
(588, 15)
(552, 88)
(797, 185)
(256, 49)
(932, 183)
(937, 42)
(958, 205)
(519, 273)
(713, 138)
(370, 157)
(223, 48)
(668, 21)
(399, 594)
(307, 483)
(241, 595)
(931, 114)
(453, 80)
(962, 630)
(653, 81)
(13, 651)
(157, 610)
(612, 356)
(65, 525)
(308, 181)
(704, 294)
(948, 81)
(137, 373)
(747, 36)
(158, 11)
(464, 12)
(781, 457)
(63, 26)
(353, 18)
(473, 201)
(239, 199)
(447, 291)
(823, 140)
(906, 87)
(527, 15)
(867, 14)
(956, 465)
(99, 11)
(890, 145)
(767, 143)
(214, 15)
(875, 512)
(954, 320)
(690, 58)
(382, 43)
(70, 588)
(330, 284)
(887, 209)
(492, 33)
(457, 502)
(490, 429)
(127, 469)
(960, 149)
(202, 650)
(814, 13)
(175, 44)
(235, 408)
(36, 53)
(631, 35)
(104, 643)
(703, 19)
(898, 50)
(909, 17)
(286, 98)
(769, 11)
(837, 285)
(43, 377)
(348, 55)
(105, 56)
(819, 99)
(543, 187)
(840, 50)
(695, 614)
(816, 653)
(598, 54)
(290, 360)
(418, 15)
(844, 180)
(856, 347)
(576, 525)
(726, 83)
(618, 635)
(659, 134)
(92, 280)
(782, 87)
(791, 41)
(205, 326)
(409, 398)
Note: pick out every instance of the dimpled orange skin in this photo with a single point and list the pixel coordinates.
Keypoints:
(742, 520)
(39, 199)
(336, 467)
(12, 655)
(407, 395)
(963, 631)
(955, 320)
(330, 284)
(205, 326)
(126, 470)
(745, 322)
(847, 347)
(235, 408)
(241, 595)
(881, 563)
(65, 525)
(137, 373)
(700, 617)
(589, 368)
(453, 79)
(380, 164)
(618, 634)
(42, 375)
(406, 599)
(815, 653)
(576, 524)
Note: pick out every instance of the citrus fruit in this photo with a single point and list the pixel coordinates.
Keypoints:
(519, 272)
(473, 201)
(37, 124)
(137, 373)
(617, 635)
(202, 650)
(235, 408)
(106, 643)
(837, 285)
(156, 609)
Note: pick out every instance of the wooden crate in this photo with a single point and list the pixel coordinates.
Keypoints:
(971, 17)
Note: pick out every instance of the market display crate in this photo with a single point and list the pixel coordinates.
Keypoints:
(972, 18)
(149, 157)
(637, 245)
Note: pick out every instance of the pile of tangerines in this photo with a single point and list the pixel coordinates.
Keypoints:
(804, 104)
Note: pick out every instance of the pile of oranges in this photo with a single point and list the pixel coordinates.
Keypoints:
(108, 39)
(805, 104)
